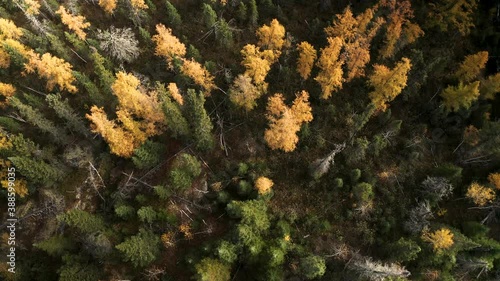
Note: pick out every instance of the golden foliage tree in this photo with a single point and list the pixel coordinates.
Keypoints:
(6, 91)
(463, 95)
(263, 185)
(441, 239)
(257, 62)
(494, 179)
(271, 37)
(175, 93)
(75, 23)
(137, 103)
(244, 93)
(138, 4)
(479, 194)
(198, 74)
(398, 26)
(358, 57)
(20, 185)
(285, 121)
(108, 5)
(471, 67)
(167, 45)
(9, 30)
(388, 83)
(139, 116)
(305, 62)
(330, 65)
(55, 70)
(344, 26)
(120, 141)
(490, 86)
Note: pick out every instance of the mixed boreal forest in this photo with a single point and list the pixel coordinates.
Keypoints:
(219, 140)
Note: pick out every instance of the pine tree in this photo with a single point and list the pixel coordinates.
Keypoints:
(209, 16)
(490, 86)
(173, 16)
(253, 15)
(185, 169)
(252, 213)
(461, 96)
(200, 121)
(37, 171)
(176, 123)
(84, 221)
(388, 83)
(141, 249)
(101, 69)
(56, 245)
(76, 268)
(64, 110)
(35, 117)
(312, 267)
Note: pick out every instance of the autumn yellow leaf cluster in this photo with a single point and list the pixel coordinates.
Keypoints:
(440, 239)
(480, 194)
(75, 23)
(286, 121)
(55, 70)
(263, 185)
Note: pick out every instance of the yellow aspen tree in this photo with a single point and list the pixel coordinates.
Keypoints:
(198, 74)
(55, 70)
(8, 30)
(305, 62)
(388, 83)
(330, 65)
(244, 93)
(440, 239)
(7, 91)
(463, 95)
(75, 23)
(285, 122)
(257, 62)
(138, 4)
(490, 86)
(271, 37)
(494, 180)
(175, 93)
(167, 45)
(479, 194)
(108, 5)
(120, 141)
(471, 67)
(263, 185)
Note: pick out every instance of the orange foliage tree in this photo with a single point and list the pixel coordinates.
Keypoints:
(330, 65)
(285, 121)
(55, 70)
(263, 185)
(75, 23)
(7, 91)
(481, 195)
(108, 5)
(388, 83)
(441, 239)
(307, 56)
(198, 74)
(471, 67)
(167, 45)
(271, 37)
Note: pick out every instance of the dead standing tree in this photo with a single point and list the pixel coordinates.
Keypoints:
(321, 166)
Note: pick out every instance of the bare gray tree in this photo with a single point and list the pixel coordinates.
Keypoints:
(119, 43)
